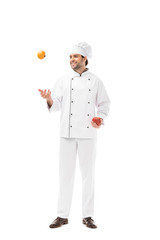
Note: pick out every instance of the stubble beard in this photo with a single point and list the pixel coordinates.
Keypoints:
(78, 66)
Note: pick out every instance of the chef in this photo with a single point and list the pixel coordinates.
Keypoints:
(77, 94)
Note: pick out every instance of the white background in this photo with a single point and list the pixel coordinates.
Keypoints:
(125, 39)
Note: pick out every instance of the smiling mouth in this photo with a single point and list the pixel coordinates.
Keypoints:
(73, 64)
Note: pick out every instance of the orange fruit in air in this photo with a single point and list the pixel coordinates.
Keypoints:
(41, 54)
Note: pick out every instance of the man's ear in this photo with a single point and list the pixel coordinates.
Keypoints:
(85, 58)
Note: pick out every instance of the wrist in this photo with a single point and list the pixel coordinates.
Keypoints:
(50, 102)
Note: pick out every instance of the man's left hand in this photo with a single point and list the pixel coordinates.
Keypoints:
(95, 125)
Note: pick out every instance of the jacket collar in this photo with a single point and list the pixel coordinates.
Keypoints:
(76, 74)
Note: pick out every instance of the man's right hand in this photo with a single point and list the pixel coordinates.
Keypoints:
(47, 96)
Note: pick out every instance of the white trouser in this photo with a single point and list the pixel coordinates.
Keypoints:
(67, 162)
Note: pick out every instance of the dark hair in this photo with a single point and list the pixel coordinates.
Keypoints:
(86, 60)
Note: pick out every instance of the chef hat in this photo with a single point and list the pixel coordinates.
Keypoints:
(82, 48)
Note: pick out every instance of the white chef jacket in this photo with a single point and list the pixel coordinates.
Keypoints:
(77, 96)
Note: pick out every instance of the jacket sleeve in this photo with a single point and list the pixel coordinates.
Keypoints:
(102, 101)
(56, 95)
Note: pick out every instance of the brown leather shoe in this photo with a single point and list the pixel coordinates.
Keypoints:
(58, 222)
(89, 222)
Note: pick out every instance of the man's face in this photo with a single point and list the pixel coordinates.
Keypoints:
(76, 61)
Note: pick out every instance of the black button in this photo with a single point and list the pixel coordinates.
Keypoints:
(72, 89)
(72, 101)
(87, 126)
(87, 114)
(70, 126)
(71, 113)
(88, 78)
(89, 89)
(72, 78)
(88, 102)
